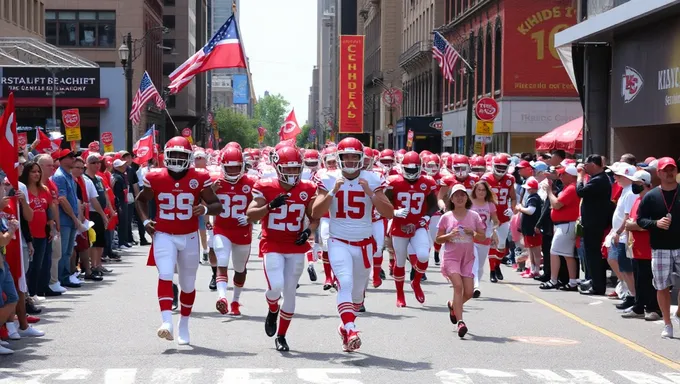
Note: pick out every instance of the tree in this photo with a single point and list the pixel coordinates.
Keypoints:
(234, 126)
(270, 111)
(303, 136)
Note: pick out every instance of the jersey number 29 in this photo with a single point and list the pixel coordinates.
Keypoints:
(175, 207)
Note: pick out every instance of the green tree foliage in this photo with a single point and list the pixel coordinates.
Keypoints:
(270, 111)
(302, 137)
(234, 126)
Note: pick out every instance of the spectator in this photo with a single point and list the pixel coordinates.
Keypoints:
(557, 157)
(550, 180)
(68, 219)
(105, 173)
(628, 158)
(530, 211)
(646, 305)
(596, 211)
(659, 213)
(39, 199)
(88, 194)
(120, 191)
(99, 217)
(49, 282)
(8, 292)
(133, 191)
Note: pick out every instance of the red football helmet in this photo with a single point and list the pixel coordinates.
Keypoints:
(278, 146)
(350, 146)
(387, 158)
(234, 144)
(477, 165)
(400, 156)
(411, 165)
(499, 164)
(178, 154)
(368, 158)
(432, 164)
(288, 164)
(425, 154)
(311, 158)
(459, 165)
(329, 158)
(233, 166)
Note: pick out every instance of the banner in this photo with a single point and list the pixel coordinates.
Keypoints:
(409, 139)
(239, 85)
(186, 132)
(107, 140)
(71, 119)
(351, 84)
(39, 82)
(533, 67)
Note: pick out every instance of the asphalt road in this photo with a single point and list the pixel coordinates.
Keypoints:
(106, 333)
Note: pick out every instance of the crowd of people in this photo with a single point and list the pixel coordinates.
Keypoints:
(550, 217)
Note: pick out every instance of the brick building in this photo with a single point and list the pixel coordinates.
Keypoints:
(509, 43)
(23, 18)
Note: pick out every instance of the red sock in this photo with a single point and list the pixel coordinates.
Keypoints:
(420, 269)
(437, 247)
(186, 301)
(273, 304)
(357, 306)
(310, 256)
(377, 264)
(326, 265)
(165, 294)
(346, 311)
(413, 260)
(399, 273)
(284, 322)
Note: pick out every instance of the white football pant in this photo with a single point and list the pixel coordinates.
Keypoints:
(481, 253)
(224, 248)
(182, 251)
(420, 243)
(348, 264)
(283, 271)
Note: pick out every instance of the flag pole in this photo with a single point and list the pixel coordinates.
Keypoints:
(459, 55)
(171, 120)
(243, 49)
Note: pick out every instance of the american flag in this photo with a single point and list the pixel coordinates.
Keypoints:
(444, 53)
(146, 92)
(224, 50)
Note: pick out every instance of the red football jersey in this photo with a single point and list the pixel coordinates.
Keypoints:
(281, 226)
(235, 199)
(175, 199)
(412, 196)
(468, 183)
(502, 188)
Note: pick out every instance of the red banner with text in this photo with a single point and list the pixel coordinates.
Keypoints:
(351, 84)
(531, 65)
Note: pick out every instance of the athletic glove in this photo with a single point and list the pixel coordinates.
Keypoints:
(278, 201)
(401, 212)
(303, 236)
(242, 220)
(424, 221)
(508, 212)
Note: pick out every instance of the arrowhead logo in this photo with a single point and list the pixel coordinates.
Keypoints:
(8, 130)
(289, 127)
(631, 84)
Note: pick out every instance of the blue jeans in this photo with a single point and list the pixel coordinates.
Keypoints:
(7, 286)
(44, 278)
(68, 238)
(36, 265)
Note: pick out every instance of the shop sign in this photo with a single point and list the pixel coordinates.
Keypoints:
(645, 91)
(71, 118)
(351, 84)
(40, 82)
(486, 109)
(532, 67)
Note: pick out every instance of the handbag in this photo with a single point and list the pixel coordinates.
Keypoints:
(82, 242)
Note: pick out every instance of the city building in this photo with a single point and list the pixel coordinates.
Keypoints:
(23, 18)
(187, 25)
(95, 30)
(381, 24)
(422, 79)
(508, 44)
(313, 107)
(626, 69)
(327, 65)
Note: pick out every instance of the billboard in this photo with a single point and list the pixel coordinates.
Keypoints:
(351, 84)
(531, 65)
(645, 77)
(240, 88)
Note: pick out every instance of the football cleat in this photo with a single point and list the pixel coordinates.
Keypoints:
(213, 284)
(165, 332)
(499, 274)
(353, 340)
(343, 336)
(270, 323)
(312, 272)
(382, 274)
(281, 344)
(401, 300)
(235, 308)
(222, 305)
(328, 284)
(377, 281)
(418, 291)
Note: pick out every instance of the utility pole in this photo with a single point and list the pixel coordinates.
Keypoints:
(470, 97)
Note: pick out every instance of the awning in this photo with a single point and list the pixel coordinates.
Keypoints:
(568, 137)
(31, 52)
(63, 102)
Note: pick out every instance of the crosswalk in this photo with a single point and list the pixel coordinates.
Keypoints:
(328, 376)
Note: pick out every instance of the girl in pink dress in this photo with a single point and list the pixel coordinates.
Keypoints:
(484, 203)
(458, 228)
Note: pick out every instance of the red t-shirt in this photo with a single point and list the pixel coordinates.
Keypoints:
(570, 210)
(40, 203)
(53, 189)
(642, 248)
(616, 192)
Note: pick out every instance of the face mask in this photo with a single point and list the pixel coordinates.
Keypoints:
(637, 189)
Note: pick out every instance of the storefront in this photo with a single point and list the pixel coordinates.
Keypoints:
(98, 93)
(425, 136)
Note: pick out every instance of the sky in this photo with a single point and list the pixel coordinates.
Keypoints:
(280, 41)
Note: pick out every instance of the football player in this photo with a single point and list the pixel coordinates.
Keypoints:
(350, 197)
(378, 224)
(281, 204)
(433, 168)
(177, 190)
(330, 166)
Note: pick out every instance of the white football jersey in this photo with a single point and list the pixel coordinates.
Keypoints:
(352, 210)
(267, 171)
(307, 174)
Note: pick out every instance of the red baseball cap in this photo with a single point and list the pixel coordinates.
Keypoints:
(523, 164)
(65, 153)
(649, 159)
(665, 162)
(531, 183)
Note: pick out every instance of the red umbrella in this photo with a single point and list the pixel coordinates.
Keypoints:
(568, 137)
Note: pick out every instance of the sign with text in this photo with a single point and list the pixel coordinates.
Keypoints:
(646, 91)
(484, 128)
(186, 132)
(532, 66)
(107, 140)
(351, 84)
(39, 82)
(71, 119)
(486, 109)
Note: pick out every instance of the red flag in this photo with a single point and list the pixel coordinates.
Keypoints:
(9, 144)
(45, 144)
(290, 128)
(144, 147)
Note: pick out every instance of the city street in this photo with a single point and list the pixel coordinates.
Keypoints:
(106, 333)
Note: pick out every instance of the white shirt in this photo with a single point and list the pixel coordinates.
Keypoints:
(623, 208)
(91, 191)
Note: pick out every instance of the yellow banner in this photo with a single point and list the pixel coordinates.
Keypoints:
(73, 134)
(108, 148)
(484, 128)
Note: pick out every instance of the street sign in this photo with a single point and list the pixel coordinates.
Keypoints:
(186, 132)
(479, 147)
(484, 128)
(486, 109)
(71, 119)
(448, 141)
(483, 139)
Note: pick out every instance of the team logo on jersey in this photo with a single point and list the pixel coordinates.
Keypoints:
(304, 196)
(246, 189)
(408, 229)
(193, 183)
(509, 182)
(423, 187)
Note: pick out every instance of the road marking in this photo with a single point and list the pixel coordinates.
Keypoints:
(174, 375)
(645, 378)
(243, 375)
(552, 341)
(628, 343)
(320, 375)
(120, 376)
(579, 377)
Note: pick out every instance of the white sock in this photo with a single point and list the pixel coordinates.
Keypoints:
(222, 289)
(573, 282)
(183, 329)
(12, 327)
(183, 323)
(349, 326)
(166, 316)
(237, 293)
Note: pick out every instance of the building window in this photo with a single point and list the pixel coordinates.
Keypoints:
(169, 21)
(15, 11)
(171, 102)
(87, 29)
(498, 46)
(30, 16)
(22, 13)
(488, 59)
(168, 68)
(170, 3)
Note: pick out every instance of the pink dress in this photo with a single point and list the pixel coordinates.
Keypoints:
(458, 254)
